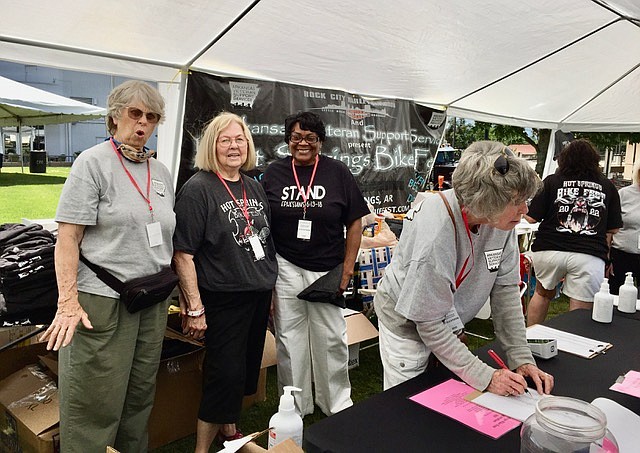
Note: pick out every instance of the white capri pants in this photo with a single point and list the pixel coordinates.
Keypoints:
(402, 358)
(311, 343)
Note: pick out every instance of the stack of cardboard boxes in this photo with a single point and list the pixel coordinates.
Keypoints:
(29, 413)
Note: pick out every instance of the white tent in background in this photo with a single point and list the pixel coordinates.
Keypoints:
(24, 105)
(571, 64)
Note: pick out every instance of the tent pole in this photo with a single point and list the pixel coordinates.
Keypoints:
(19, 144)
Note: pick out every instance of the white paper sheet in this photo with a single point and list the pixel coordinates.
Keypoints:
(568, 342)
(519, 407)
(623, 424)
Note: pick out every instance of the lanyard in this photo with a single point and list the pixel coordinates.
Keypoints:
(460, 278)
(133, 181)
(305, 196)
(244, 208)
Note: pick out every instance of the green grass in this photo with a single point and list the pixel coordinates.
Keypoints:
(35, 196)
(30, 195)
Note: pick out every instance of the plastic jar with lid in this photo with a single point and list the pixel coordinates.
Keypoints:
(566, 425)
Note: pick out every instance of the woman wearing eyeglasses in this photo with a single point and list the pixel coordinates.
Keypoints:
(225, 258)
(313, 199)
(458, 248)
(116, 208)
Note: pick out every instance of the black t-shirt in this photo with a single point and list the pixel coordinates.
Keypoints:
(575, 215)
(334, 201)
(211, 227)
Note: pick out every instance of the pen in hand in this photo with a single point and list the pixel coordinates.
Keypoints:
(496, 358)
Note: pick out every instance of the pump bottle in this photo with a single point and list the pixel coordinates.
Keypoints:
(628, 295)
(603, 304)
(285, 423)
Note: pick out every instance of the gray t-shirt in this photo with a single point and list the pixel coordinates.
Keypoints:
(627, 238)
(99, 194)
(419, 286)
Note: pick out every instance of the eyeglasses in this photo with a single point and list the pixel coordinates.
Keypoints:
(136, 114)
(501, 163)
(225, 142)
(310, 139)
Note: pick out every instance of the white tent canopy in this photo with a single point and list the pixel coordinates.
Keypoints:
(571, 65)
(23, 105)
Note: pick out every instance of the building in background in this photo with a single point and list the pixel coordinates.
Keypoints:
(62, 141)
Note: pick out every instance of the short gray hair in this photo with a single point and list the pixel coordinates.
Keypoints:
(206, 156)
(482, 189)
(128, 92)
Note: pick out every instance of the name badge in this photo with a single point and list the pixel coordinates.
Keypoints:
(256, 245)
(304, 230)
(453, 321)
(154, 234)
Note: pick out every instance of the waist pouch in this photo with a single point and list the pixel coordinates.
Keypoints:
(141, 292)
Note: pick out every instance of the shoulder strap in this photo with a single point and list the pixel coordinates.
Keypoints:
(104, 275)
(448, 206)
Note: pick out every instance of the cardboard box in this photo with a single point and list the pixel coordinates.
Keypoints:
(29, 400)
(13, 333)
(359, 329)
(287, 446)
(179, 389)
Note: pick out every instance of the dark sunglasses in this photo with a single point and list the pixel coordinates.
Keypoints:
(501, 163)
(136, 114)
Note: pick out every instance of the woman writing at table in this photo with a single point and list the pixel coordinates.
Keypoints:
(458, 248)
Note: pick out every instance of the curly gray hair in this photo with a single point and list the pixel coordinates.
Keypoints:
(484, 188)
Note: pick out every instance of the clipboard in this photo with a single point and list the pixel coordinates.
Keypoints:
(569, 342)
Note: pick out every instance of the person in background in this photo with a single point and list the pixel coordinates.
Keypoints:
(225, 258)
(116, 208)
(578, 210)
(457, 248)
(625, 248)
(313, 199)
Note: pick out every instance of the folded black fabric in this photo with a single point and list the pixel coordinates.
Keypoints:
(8, 231)
(326, 289)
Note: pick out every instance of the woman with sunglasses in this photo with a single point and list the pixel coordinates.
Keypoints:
(116, 209)
(578, 210)
(225, 258)
(313, 198)
(457, 248)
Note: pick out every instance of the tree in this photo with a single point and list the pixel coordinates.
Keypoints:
(466, 132)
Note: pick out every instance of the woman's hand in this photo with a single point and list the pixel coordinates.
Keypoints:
(194, 327)
(542, 380)
(507, 383)
(60, 332)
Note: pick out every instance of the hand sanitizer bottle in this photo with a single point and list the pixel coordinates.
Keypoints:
(603, 304)
(285, 423)
(628, 295)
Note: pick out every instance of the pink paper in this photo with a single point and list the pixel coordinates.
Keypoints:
(630, 385)
(448, 399)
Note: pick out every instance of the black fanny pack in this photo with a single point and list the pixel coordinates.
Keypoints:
(141, 292)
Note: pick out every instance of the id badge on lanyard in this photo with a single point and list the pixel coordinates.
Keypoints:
(304, 225)
(256, 246)
(304, 230)
(154, 234)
